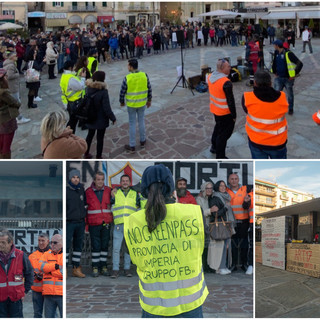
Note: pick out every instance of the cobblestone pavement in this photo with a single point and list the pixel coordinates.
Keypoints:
(229, 296)
(284, 294)
(179, 125)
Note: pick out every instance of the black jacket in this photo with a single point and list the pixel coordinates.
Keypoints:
(221, 213)
(76, 202)
(292, 58)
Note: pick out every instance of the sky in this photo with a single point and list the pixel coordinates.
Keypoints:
(299, 175)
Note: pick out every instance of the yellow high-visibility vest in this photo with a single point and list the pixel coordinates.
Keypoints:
(169, 259)
(90, 62)
(291, 66)
(137, 89)
(124, 205)
(69, 95)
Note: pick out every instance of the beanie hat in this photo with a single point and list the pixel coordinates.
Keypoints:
(157, 173)
(74, 172)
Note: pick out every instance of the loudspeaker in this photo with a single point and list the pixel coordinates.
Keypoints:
(180, 36)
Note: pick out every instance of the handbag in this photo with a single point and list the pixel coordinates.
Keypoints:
(220, 230)
(32, 75)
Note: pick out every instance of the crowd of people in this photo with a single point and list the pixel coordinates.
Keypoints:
(41, 272)
(103, 210)
(76, 55)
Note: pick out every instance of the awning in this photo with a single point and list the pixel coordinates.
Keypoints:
(57, 22)
(309, 14)
(102, 19)
(90, 19)
(280, 15)
(75, 19)
(36, 14)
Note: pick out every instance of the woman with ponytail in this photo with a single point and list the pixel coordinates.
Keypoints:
(165, 241)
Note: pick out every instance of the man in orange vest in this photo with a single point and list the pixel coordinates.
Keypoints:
(240, 203)
(16, 277)
(250, 235)
(222, 105)
(99, 218)
(266, 124)
(37, 297)
(51, 264)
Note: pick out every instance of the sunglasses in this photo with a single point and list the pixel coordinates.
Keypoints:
(54, 242)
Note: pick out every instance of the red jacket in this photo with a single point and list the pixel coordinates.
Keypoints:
(188, 199)
(20, 49)
(97, 212)
(138, 42)
(11, 284)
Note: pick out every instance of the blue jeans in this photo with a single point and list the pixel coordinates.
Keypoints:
(51, 303)
(100, 236)
(75, 232)
(174, 44)
(117, 242)
(195, 313)
(60, 62)
(133, 112)
(10, 309)
(258, 153)
(115, 53)
(280, 83)
(37, 300)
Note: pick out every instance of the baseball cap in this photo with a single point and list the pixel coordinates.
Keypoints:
(278, 43)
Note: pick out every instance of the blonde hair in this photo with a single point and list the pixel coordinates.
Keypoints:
(52, 125)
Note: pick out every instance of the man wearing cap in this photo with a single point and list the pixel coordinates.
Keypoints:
(72, 91)
(266, 124)
(16, 277)
(285, 66)
(37, 297)
(306, 38)
(51, 264)
(183, 195)
(76, 214)
(137, 93)
(222, 105)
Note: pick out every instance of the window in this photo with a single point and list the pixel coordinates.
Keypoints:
(8, 12)
(191, 14)
(104, 4)
(57, 4)
(268, 200)
(283, 204)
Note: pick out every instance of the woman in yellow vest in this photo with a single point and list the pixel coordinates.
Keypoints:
(166, 241)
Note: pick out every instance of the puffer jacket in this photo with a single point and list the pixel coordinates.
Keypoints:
(12, 75)
(101, 99)
(9, 106)
(51, 54)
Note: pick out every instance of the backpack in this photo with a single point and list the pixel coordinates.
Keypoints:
(234, 75)
(202, 87)
(87, 111)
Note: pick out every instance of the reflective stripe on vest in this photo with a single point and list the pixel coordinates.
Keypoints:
(171, 279)
(218, 101)
(137, 89)
(56, 283)
(266, 122)
(124, 205)
(236, 203)
(98, 211)
(90, 62)
(68, 95)
(291, 66)
(3, 285)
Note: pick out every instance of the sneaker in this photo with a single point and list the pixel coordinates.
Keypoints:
(127, 273)
(33, 106)
(223, 272)
(95, 272)
(142, 144)
(249, 271)
(88, 155)
(105, 272)
(37, 99)
(23, 120)
(115, 274)
(130, 149)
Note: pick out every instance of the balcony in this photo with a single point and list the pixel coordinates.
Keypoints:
(264, 203)
(82, 8)
(265, 192)
(284, 197)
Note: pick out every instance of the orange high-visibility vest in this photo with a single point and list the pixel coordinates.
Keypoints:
(251, 211)
(52, 279)
(34, 259)
(218, 99)
(266, 122)
(236, 203)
